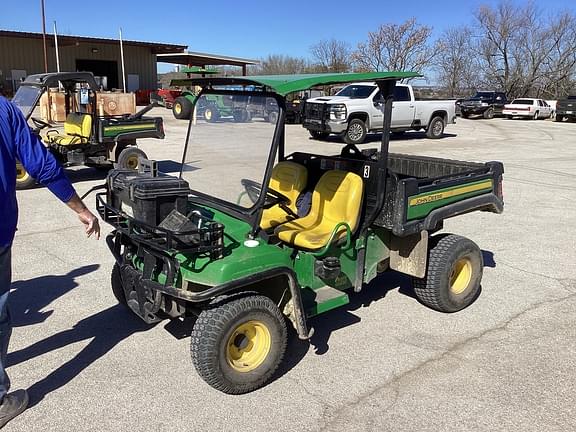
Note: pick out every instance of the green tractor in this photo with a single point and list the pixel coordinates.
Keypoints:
(253, 241)
(87, 138)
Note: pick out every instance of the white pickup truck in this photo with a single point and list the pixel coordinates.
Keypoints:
(356, 110)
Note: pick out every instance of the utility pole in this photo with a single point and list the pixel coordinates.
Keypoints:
(44, 37)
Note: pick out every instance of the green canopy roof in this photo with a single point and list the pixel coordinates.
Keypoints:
(284, 84)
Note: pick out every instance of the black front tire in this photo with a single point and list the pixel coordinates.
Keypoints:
(355, 132)
(117, 287)
(489, 113)
(237, 345)
(318, 135)
(435, 128)
(129, 158)
(182, 108)
(464, 115)
(453, 275)
(211, 114)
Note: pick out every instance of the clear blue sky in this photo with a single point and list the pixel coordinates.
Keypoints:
(248, 28)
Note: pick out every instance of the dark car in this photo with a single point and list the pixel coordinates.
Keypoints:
(566, 109)
(484, 103)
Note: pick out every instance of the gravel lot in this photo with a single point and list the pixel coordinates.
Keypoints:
(384, 362)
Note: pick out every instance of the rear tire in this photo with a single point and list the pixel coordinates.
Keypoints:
(182, 108)
(464, 115)
(355, 132)
(536, 116)
(129, 158)
(117, 287)
(435, 128)
(318, 135)
(237, 345)
(489, 113)
(453, 275)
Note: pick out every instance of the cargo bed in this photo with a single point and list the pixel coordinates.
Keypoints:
(420, 191)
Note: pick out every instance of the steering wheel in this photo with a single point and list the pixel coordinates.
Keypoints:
(40, 124)
(273, 197)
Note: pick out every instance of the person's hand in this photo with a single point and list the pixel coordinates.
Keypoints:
(86, 217)
(90, 222)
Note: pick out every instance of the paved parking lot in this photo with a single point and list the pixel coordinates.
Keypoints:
(384, 362)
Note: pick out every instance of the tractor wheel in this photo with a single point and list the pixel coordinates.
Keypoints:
(117, 288)
(435, 128)
(356, 132)
(129, 158)
(489, 113)
(211, 114)
(182, 108)
(318, 135)
(237, 345)
(23, 179)
(453, 276)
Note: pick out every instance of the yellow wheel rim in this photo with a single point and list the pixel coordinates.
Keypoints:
(248, 346)
(21, 174)
(208, 114)
(461, 276)
(178, 108)
(132, 162)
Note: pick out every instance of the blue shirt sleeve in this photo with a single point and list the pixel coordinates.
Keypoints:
(36, 158)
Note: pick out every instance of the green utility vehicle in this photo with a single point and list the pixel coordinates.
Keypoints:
(252, 240)
(88, 138)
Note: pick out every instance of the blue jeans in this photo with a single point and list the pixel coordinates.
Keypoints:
(5, 322)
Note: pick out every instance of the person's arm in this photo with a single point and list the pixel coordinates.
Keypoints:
(43, 167)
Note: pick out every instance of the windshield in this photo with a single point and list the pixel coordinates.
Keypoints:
(483, 96)
(26, 98)
(230, 140)
(522, 102)
(357, 91)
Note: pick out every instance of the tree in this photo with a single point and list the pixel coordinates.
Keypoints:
(396, 47)
(331, 56)
(456, 66)
(276, 64)
(525, 54)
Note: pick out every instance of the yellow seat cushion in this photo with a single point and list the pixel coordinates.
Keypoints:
(77, 129)
(288, 178)
(337, 198)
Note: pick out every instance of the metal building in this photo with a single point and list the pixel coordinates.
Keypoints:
(22, 54)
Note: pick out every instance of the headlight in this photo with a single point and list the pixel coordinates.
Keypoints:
(338, 112)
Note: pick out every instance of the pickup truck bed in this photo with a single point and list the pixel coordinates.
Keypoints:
(420, 191)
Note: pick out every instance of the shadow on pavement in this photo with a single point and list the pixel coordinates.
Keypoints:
(488, 257)
(29, 297)
(104, 330)
(325, 324)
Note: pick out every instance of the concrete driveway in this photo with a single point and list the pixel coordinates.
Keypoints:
(383, 363)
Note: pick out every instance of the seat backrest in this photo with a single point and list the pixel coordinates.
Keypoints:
(337, 198)
(78, 125)
(289, 178)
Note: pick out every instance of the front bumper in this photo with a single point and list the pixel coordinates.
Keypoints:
(325, 126)
(473, 109)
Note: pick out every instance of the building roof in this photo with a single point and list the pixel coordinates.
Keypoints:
(68, 40)
(202, 59)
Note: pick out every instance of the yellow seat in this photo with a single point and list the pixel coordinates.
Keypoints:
(77, 129)
(337, 198)
(288, 178)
